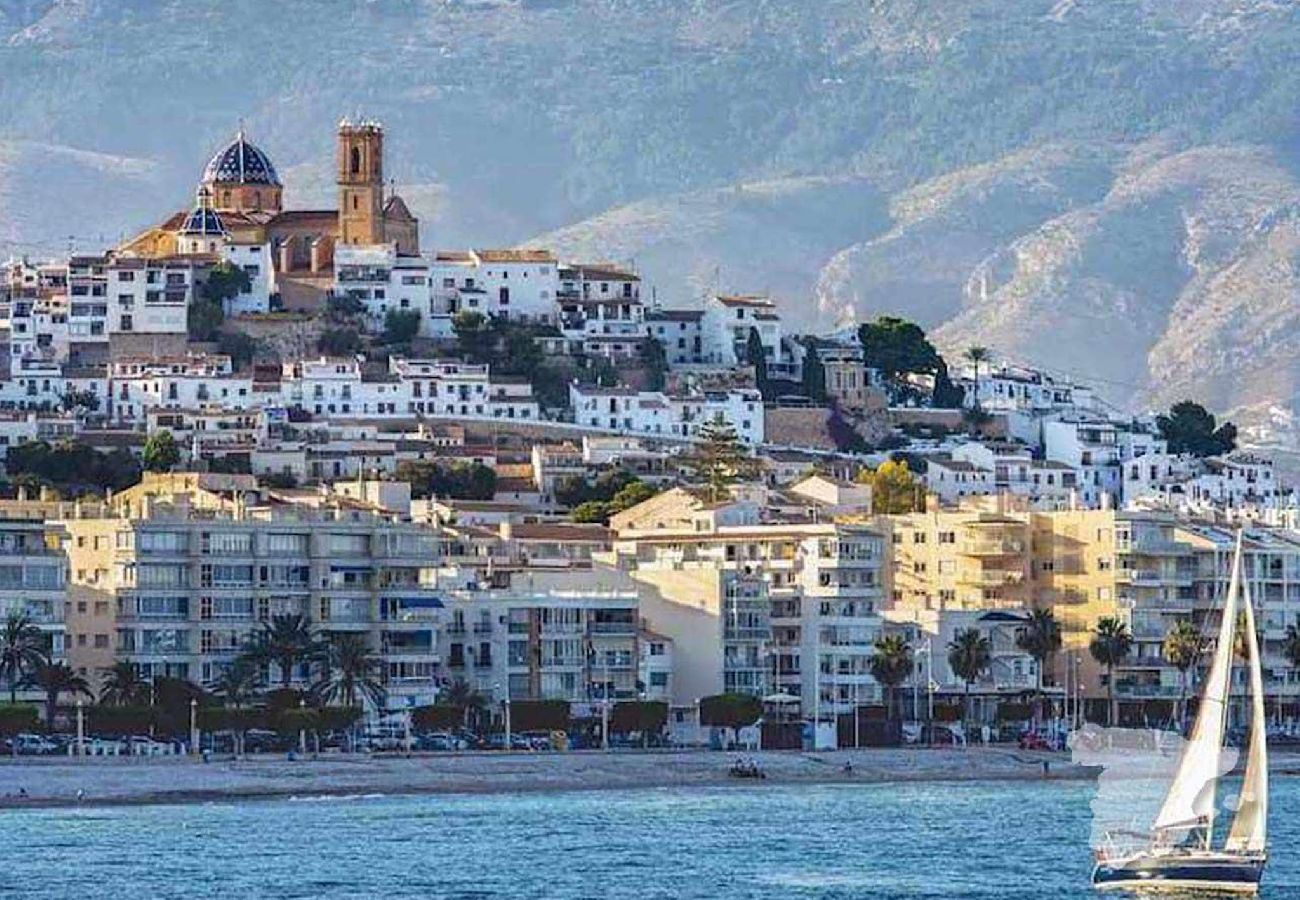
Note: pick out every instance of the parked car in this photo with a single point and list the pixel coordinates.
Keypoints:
(143, 745)
(1032, 740)
(30, 745)
(468, 739)
(940, 735)
(517, 742)
(537, 740)
(436, 741)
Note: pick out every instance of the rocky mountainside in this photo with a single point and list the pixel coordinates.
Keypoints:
(1108, 189)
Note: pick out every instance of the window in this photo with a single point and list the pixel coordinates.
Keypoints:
(355, 165)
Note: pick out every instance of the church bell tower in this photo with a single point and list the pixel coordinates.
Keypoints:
(361, 182)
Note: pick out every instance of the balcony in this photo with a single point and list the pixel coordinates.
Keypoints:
(1006, 547)
(992, 578)
(611, 628)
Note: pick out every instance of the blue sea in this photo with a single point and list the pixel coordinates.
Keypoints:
(961, 840)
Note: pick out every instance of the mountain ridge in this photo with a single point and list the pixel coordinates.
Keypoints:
(1109, 187)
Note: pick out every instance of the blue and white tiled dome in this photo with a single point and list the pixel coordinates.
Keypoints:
(203, 219)
(240, 163)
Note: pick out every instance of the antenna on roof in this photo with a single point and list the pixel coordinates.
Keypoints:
(239, 130)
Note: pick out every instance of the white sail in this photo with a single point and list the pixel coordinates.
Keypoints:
(1249, 830)
(1190, 801)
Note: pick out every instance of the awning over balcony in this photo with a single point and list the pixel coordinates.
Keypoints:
(419, 602)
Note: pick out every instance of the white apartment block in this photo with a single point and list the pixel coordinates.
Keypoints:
(336, 386)
(655, 414)
(1183, 482)
(1096, 449)
(138, 385)
(520, 285)
(727, 323)
(151, 296)
(258, 265)
(1010, 388)
(568, 635)
(679, 331)
(383, 281)
(600, 309)
(451, 388)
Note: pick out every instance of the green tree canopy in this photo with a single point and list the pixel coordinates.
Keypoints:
(459, 480)
(732, 711)
(891, 665)
(160, 452)
(655, 363)
(1191, 428)
(894, 489)
(22, 651)
(55, 679)
(225, 281)
(474, 337)
(401, 326)
(756, 356)
(1110, 646)
(898, 348)
(814, 374)
(339, 342)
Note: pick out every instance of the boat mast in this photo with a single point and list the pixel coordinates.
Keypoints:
(1189, 804)
(1250, 826)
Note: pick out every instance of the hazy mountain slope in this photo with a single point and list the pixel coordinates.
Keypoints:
(1023, 172)
(707, 239)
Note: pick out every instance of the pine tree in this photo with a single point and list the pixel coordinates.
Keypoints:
(720, 458)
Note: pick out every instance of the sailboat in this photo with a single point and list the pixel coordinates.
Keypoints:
(1181, 855)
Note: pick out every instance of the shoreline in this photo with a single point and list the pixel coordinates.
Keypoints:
(125, 781)
(52, 783)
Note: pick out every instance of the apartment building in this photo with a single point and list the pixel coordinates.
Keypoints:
(33, 579)
(1084, 565)
(756, 607)
(183, 569)
(536, 635)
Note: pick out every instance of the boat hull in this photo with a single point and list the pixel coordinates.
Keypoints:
(1181, 871)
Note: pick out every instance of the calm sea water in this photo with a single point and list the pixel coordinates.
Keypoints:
(881, 841)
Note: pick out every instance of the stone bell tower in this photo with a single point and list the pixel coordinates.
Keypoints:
(361, 182)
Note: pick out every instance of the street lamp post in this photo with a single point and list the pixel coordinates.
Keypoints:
(194, 726)
(81, 728)
(604, 707)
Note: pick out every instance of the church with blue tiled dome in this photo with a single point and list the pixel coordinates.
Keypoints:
(241, 178)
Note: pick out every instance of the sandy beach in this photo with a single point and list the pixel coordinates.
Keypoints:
(56, 782)
(126, 780)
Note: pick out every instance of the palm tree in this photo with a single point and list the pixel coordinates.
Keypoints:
(238, 682)
(286, 640)
(969, 656)
(350, 672)
(1040, 638)
(1182, 648)
(1291, 646)
(1110, 646)
(975, 356)
(55, 679)
(123, 685)
(891, 665)
(462, 695)
(22, 649)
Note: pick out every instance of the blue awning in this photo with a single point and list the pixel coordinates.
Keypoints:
(341, 568)
(419, 602)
